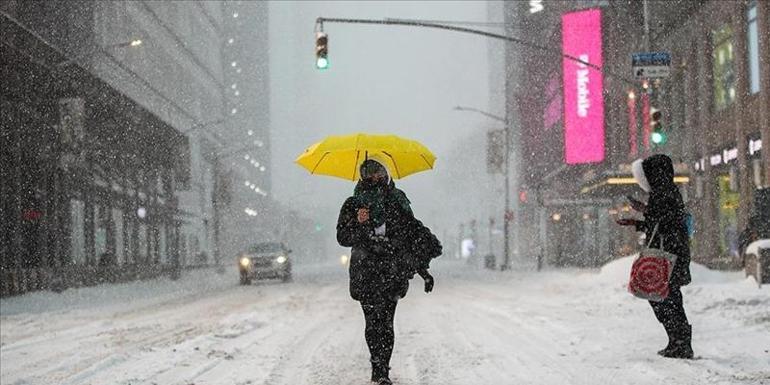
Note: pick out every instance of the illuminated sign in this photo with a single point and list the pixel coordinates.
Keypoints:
(535, 6)
(583, 100)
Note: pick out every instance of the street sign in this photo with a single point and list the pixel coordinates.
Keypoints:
(647, 65)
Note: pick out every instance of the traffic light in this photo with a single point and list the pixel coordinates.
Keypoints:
(321, 51)
(658, 135)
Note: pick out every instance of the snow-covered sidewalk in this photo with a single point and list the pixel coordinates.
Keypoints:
(555, 327)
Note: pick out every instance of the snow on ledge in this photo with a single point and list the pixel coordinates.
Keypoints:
(754, 247)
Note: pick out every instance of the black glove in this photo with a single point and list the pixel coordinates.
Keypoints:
(428, 280)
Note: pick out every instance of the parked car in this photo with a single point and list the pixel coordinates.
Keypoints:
(265, 260)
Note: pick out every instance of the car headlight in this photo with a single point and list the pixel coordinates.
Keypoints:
(245, 262)
(281, 259)
(344, 259)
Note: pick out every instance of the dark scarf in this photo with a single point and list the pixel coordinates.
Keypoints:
(375, 196)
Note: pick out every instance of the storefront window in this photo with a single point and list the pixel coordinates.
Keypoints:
(77, 232)
(728, 222)
(162, 245)
(100, 231)
(756, 166)
(120, 248)
(723, 59)
(141, 251)
(753, 48)
(130, 245)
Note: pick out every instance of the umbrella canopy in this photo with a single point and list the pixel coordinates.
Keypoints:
(341, 156)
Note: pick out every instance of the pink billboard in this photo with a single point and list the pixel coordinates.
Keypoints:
(583, 100)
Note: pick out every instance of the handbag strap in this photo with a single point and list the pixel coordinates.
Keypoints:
(652, 236)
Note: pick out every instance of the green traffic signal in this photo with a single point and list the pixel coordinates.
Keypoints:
(658, 137)
(322, 63)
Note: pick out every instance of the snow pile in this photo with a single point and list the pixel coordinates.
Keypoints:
(618, 271)
(123, 295)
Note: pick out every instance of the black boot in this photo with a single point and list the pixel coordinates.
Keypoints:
(682, 344)
(671, 337)
(380, 373)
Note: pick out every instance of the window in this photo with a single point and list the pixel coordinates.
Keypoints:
(131, 241)
(77, 233)
(162, 245)
(142, 243)
(100, 231)
(723, 59)
(753, 48)
(117, 220)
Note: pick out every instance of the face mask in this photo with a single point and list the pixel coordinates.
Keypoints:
(375, 182)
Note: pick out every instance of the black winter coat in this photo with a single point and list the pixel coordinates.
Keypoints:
(381, 266)
(666, 210)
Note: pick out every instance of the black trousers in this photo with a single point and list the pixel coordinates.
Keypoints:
(379, 330)
(670, 312)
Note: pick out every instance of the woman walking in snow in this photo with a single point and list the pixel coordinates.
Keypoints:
(665, 211)
(388, 247)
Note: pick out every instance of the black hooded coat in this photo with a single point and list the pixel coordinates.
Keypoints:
(666, 210)
(381, 265)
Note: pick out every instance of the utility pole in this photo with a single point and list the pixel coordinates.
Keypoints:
(646, 26)
(507, 213)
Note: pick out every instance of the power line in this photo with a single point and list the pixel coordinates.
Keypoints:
(457, 22)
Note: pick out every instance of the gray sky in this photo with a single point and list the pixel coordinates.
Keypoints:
(382, 79)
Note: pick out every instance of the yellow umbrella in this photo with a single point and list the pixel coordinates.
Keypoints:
(341, 156)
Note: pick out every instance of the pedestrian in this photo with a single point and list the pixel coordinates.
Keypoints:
(388, 247)
(665, 211)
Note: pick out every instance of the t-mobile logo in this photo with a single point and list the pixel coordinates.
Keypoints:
(583, 103)
(535, 6)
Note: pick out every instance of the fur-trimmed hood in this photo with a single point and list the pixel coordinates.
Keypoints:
(638, 172)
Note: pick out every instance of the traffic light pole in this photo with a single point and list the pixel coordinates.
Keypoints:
(319, 27)
(428, 24)
(507, 173)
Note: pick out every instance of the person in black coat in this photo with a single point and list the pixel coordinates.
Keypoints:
(389, 245)
(665, 226)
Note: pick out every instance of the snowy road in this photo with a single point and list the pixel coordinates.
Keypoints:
(567, 327)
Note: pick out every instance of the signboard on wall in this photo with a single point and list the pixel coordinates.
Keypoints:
(583, 85)
(651, 65)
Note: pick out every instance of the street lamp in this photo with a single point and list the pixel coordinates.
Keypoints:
(507, 216)
(133, 43)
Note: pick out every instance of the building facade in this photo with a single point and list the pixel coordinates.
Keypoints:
(720, 97)
(119, 129)
(714, 109)
(178, 74)
(250, 215)
(89, 172)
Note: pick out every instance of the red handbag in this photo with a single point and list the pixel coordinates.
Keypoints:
(651, 272)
